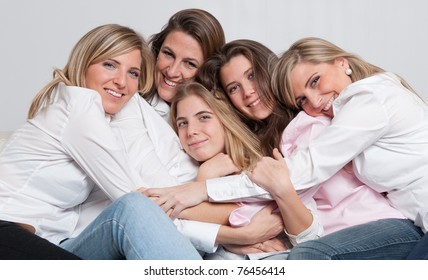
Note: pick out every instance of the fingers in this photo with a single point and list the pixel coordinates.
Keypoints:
(141, 190)
(277, 155)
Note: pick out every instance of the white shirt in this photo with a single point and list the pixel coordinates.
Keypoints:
(155, 153)
(51, 164)
(383, 129)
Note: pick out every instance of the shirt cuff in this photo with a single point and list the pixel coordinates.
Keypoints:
(235, 188)
(314, 231)
(201, 235)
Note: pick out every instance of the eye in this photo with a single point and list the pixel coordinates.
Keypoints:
(167, 53)
(314, 81)
(232, 89)
(205, 117)
(191, 65)
(300, 102)
(134, 73)
(108, 64)
(181, 124)
(251, 76)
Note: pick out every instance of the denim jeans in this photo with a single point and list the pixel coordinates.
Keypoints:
(132, 227)
(420, 252)
(388, 239)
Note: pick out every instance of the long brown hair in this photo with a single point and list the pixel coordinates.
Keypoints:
(261, 59)
(199, 24)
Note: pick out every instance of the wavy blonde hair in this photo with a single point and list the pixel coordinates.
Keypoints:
(316, 51)
(241, 144)
(99, 44)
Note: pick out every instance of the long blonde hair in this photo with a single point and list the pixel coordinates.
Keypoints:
(241, 144)
(100, 43)
(316, 51)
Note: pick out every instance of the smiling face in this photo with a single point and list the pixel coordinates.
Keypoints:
(238, 81)
(200, 131)
(179, 59)
(316, 86)
(115, 79)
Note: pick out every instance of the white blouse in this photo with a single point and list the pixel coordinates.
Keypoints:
(383, 129)
(51, 164)
(155, 153)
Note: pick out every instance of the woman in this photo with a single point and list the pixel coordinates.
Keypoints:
(377, 122)
(180, 48)
(330, 203)
(66, 148)
(148, 138)
(211, 133)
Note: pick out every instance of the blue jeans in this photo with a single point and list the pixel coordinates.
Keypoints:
(388, 239)
(420, 252)
(132, 227)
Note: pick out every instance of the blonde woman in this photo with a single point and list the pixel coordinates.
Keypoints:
(211, 132)
(67, 148)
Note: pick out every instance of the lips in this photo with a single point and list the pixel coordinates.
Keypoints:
(196, 143)
(254, 103)
(113, 93)
(330, 102)
(170, 83)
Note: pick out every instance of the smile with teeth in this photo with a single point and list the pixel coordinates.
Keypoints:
(330, 102)
(113, 93)
(170, 83)
(254, 103)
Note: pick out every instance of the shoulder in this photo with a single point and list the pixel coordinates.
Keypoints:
(301, 130)
(78, 98)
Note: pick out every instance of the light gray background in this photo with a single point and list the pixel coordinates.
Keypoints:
(37, 36)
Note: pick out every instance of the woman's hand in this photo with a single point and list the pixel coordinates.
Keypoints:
(265, 225)
(272, 174)
(173, 200)
(271, 245)
(218, 166)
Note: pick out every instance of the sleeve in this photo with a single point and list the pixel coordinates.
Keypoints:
(360, 120)
(314, 231)
(201, 235)
(235, 188)
(90, 142)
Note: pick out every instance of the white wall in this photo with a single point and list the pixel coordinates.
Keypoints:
(37, 36)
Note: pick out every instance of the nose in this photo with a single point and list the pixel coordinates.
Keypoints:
(120, 79)
(248, 89)
(314, 100)
(173, 69)
(192, 129)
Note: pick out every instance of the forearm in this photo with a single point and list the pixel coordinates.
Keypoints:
(217, 213)
(295, 215)
(235, 236)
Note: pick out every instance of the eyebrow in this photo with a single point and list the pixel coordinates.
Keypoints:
(309, 80)
(195, 115)
(245, 73)
(118, 62)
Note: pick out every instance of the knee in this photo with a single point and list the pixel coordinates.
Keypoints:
(136, 203)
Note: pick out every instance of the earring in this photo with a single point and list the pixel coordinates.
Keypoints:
(348, 71)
